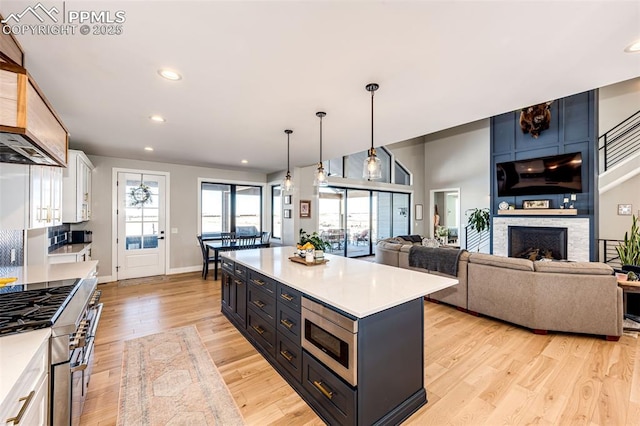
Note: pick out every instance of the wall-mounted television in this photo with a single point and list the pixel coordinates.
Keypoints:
(557, 174)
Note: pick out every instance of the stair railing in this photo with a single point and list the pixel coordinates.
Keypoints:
(607, 253)
(476, 241)
(620, 142)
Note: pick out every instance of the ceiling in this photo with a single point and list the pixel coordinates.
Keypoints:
(252, 69)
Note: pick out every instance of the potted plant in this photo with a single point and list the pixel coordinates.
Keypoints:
(629, 249)
(313, 239)
(479, 220)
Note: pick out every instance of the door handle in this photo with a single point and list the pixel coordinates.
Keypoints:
(161, 238)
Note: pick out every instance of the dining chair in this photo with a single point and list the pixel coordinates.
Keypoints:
(246, 240)
(265, 237)
(206, 258)
(227, 238)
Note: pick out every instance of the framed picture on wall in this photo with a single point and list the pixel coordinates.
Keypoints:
(287, 213)
(305, 208)
(287, 199)
(419, 212)
(624, 209)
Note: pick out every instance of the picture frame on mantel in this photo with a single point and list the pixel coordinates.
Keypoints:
(305, 209)
(535, 204)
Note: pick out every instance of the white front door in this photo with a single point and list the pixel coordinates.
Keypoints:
(141, 225)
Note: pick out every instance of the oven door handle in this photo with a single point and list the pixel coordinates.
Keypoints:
(89, 348)
(96, 319)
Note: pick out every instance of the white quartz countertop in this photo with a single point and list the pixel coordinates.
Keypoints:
(16, 351)
(54, 272)
(358, 287)
(70, 249)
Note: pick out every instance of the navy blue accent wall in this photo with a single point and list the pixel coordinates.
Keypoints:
(573, 128)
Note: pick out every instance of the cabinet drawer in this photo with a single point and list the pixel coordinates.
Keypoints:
(262, 332)
(289, 297)
(240, 271)
(262, 302)
(262, 282)
(288, 323)
(289, 355)
(331, 393)
(228, 265)
(29, 381)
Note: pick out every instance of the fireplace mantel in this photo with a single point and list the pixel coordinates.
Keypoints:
(538, 212)
(578, 238)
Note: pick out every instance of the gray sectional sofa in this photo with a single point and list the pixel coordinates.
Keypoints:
(577, 297)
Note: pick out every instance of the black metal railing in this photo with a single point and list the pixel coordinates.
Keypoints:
(476, 241)
(620, 142)
(607, 253)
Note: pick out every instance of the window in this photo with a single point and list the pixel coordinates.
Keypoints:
(230, 208)
(354, 163)
(276, 211)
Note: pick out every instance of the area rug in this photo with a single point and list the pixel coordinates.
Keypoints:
(169, 379)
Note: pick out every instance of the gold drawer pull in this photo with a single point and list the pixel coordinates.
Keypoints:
(239, 271)
(286, 323)
(27, 400)
(259, 282)
(286, 297)
(258, 329)
(322, 389)
(258, 303)
(287, 355)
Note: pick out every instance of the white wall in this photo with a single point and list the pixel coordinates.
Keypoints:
(184, 216)
(616, 103)
(459, 158)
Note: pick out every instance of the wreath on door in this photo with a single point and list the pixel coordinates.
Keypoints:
(140, 195)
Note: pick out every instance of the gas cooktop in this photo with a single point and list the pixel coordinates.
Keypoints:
(32, 306)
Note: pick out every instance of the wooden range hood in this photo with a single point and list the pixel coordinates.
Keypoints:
(28, 123)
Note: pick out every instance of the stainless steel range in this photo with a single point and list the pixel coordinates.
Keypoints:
(71, 309)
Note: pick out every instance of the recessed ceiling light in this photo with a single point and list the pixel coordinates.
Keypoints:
(169, 74)
(633, 47)
(157, 118)
(148, 148)
(244, 161)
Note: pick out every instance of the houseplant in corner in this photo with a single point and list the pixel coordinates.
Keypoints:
(479, 220)
(629, 249)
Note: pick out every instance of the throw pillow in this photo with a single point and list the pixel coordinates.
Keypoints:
(430, 242)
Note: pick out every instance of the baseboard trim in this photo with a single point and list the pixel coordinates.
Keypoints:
(184, 270)
(105, 279)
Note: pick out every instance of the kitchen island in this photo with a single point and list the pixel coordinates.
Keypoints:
(347, 335)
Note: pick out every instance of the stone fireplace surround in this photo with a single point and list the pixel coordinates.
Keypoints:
(578, 242)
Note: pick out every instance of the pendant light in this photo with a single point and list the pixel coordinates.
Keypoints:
(287, 183)
(372, 165)
(321, 176)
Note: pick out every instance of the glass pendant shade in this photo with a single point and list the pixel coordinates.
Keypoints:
(372, 167)
(287, 182)
(320, 175)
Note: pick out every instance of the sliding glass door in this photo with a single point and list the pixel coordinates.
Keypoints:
(353, 220)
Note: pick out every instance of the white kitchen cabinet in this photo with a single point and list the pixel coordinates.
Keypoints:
(14, 193)
(45, 196)
(77, 188)
(25, 399)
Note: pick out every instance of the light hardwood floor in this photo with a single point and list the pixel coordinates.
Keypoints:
(478, 371)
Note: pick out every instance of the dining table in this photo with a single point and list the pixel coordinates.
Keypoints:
(224, 245)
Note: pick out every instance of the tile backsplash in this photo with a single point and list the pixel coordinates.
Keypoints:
(58, 236)
(11, 240)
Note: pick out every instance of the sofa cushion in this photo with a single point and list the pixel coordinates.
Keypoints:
(388, 245)
(584, 268)
(502, 262)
